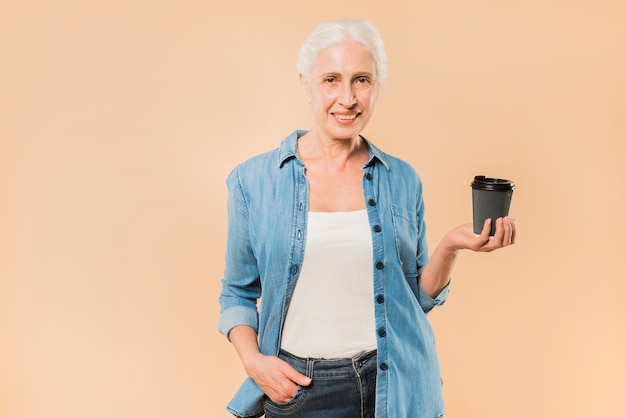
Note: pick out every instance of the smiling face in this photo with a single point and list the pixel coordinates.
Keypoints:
(342, 90)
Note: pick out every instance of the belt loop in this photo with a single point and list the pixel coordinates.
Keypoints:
(310, 364)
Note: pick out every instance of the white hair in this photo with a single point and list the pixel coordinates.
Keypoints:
(336, 31)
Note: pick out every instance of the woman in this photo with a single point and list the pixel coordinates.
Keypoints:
(327, 234)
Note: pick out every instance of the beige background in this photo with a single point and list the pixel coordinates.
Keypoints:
(119, 122)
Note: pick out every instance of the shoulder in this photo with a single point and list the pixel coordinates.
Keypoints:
(404, 174)
(401, 165)
(246, 171)
(263, 160)
(397, 167)
(267, 163)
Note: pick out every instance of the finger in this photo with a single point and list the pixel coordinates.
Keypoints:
(483, 239)
(273, 377)
(506, 226)
(484, 234)
(513, 231)
(295, 376)
(510, 228)
(284, 389)
(498, 237)
(284, 393)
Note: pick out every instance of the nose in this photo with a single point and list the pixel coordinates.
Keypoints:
(347, 98)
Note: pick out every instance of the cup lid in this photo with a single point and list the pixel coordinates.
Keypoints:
(490, 183)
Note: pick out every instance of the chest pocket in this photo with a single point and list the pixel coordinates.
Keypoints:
(405, 226)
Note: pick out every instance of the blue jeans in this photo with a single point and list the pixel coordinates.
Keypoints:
(344, 388)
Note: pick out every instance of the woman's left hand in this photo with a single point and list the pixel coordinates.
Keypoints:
(463, 237)
(436, 273)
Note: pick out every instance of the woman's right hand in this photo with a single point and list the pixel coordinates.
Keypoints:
(276, 378)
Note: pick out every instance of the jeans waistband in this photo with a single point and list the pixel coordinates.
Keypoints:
(321, 363)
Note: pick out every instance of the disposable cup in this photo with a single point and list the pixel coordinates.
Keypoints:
(491, 198)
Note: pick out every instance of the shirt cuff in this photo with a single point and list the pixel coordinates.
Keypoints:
(427, 302)
(238, 315)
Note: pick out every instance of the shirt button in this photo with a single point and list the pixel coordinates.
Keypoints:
(301, 206)
(383, 366)
(380, 299)
(368, 176)
(299, 235)
(294, 269)
(382, 332)
(371, 202)
(380, 265)
(377, 228)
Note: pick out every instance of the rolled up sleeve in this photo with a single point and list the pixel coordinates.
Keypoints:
(241, 285)
(427, 302)
(237, 315)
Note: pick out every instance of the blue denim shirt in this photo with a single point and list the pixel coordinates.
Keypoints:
(267, 230)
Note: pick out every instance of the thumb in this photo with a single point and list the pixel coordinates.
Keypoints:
(297, 377)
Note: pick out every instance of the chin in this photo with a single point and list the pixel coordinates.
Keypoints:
(346, 132)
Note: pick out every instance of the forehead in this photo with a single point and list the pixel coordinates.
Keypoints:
(345, 57)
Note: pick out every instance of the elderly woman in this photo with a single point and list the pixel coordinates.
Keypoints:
(326, 234)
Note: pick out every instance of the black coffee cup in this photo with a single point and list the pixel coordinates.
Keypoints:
(491, 198)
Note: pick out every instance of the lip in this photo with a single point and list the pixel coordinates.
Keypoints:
(336, 116)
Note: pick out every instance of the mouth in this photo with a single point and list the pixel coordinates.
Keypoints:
(345, 117)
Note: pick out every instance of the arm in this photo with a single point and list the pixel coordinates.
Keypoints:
(276, 378)
(241, 285)
(241, 289)
(436, 274)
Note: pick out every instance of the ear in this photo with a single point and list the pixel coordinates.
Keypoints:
(306, 88)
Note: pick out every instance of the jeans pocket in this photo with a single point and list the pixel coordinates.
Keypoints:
(287, 408)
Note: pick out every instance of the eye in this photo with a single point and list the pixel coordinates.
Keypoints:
(330, 80)
(362, 80)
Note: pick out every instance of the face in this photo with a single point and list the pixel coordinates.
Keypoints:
(342, 90)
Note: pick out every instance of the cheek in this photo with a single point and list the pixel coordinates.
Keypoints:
(368, 99)
(325, 99)
(328, 96)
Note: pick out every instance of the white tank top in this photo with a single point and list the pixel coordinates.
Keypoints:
(331, 314)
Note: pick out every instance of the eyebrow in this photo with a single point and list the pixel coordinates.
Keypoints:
(355, 75)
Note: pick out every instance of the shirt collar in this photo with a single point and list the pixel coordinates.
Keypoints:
(287, 150)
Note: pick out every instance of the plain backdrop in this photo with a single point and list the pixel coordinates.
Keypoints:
(120, 120)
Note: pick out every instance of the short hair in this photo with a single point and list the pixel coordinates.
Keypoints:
(331, 33)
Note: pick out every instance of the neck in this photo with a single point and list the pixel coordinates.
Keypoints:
(311, 145)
